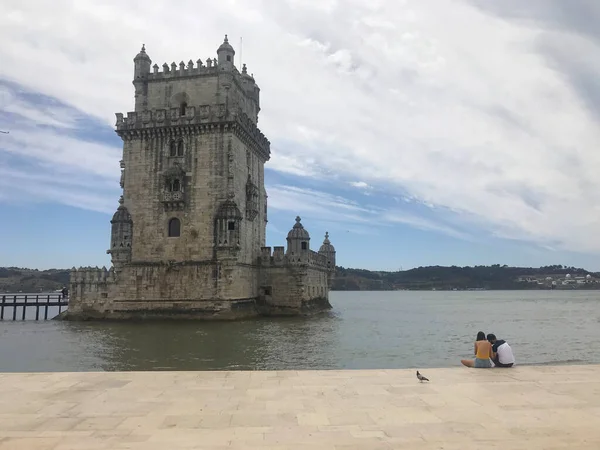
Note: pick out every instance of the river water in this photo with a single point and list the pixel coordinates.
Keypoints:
(365, 330)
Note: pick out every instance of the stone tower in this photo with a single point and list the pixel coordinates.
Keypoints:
(188, 236)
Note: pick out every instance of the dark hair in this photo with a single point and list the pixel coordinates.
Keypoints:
(491, 337)
(480, 336)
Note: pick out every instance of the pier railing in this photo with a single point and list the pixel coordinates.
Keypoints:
(31, 306)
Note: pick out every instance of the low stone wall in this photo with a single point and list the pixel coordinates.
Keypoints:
(162, 310)
(202, 290)
(266, 307)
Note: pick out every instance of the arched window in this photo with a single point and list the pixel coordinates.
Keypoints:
(182, 108)
(173, 149)
(174, 227)
(175, 185)
(180, 148)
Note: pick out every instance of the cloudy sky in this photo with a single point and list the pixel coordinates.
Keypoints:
(417, 132)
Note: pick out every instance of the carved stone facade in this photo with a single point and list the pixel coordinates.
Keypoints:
(188, 238)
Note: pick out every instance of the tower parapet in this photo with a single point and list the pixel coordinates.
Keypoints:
(184, 70)
(89, 286)
(202, 119)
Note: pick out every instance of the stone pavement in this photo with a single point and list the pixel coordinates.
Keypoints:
(519, 408)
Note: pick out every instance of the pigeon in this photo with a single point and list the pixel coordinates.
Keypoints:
(421, 377)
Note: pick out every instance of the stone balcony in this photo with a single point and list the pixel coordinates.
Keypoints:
(173, 200)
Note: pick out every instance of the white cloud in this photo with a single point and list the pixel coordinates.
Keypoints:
(54, 116)
(359, 184)
(399, 95)
(46, 164)
(423, 224)
(65, 188)
(62, 153)
(347, 215)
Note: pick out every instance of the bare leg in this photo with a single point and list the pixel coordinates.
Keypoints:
(467, 362)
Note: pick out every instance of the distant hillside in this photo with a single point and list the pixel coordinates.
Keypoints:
(16, 279)
(493, 277)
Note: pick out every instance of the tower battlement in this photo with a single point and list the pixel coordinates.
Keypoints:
(278, 258)
(161, 120)
(171, 71)
(91, 275)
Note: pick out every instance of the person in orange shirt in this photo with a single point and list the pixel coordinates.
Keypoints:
(483, 353)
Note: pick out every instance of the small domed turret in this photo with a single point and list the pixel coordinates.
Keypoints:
(121, 231)
(247, 80)
(142, 55)
(298, 231)
(225, 54)
(298, 238)
(121, 215)
(326, 247)
(141, 70)
(142, 63)
(328, 251)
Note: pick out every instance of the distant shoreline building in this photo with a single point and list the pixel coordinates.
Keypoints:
(188, 237)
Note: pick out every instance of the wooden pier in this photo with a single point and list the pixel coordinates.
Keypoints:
(23, 306)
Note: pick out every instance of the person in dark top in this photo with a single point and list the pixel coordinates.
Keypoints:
(502, 354)
(64, 292)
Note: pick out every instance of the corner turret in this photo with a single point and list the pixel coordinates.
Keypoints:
(121, 231)
(248, 81)
(225, 53)
(252, 90)
(298, 239)
(328, 251)
(141, 63)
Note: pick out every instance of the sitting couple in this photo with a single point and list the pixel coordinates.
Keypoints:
(491, 348)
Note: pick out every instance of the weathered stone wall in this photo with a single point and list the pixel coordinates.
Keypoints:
(146, 160)
(194, 90)
(316, 283)
(207, 86)
(292, 288)
(248, 166)
(164, 290)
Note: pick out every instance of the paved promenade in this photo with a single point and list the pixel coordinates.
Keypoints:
(521, 408)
